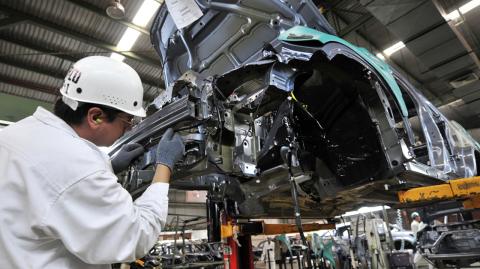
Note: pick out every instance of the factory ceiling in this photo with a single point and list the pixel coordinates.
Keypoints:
(434, 43)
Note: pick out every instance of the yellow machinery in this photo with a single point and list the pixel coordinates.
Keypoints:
(259, 227)
(466, 189)
(453, 243)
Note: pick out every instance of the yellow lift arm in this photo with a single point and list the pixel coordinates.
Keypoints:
(259, 227)
(467, 189)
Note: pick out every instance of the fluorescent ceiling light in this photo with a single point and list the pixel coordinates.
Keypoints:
(380, 56)
(365, 209)
(462, 10)
(128, 39)
(469, 6)
(146, 12)
(452, 15)
(142, 17)
(117, 56)
(396, 47)
(448, 17)
(126, 43)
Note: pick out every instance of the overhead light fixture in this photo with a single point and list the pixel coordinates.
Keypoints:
(126, 43)
(145, 13)
(452, 15)
(365, 209)
(469, 6)
(396, 47)
(128, 39)
(380, 56)
(462, 10)
(130, 36)
(116, 10)
(118, 57)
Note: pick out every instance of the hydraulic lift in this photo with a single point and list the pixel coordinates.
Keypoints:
(464, 189)
(237, 234)
(238, 250)
(448, 244)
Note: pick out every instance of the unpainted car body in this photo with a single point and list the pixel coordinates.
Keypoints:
(263, 101)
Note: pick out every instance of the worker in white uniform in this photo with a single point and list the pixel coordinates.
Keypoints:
(417, 225)
(61, 204)
(268, 253)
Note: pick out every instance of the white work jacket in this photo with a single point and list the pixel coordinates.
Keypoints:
(61, 205)
(268, 253)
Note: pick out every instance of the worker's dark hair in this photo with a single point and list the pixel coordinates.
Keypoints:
(74, 117)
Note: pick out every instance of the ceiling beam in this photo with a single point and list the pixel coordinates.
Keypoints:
(41, 49)
(62, 30)
(459, 35)
(35, 69)
(349, 11)
(355, 25)
(24, 96)
(9, 22)
(64, 56)
(397, 65)
(101, 12)
(29, 85)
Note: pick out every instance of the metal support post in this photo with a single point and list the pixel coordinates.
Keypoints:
(214, 221)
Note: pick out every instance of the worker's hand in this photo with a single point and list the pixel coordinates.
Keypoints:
(170, 149)
(125, 156)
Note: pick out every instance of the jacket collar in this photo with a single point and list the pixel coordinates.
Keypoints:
(49, 118)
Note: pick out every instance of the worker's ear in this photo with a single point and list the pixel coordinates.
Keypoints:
(94, 117)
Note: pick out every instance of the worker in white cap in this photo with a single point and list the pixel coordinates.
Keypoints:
(416, 222)
(416, 226)
(61, 204)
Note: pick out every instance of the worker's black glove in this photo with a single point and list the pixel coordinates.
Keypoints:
(125, 156)
(170, 149)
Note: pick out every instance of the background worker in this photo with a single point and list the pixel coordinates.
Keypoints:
(417, 223)
(268, 253)
(416, 226)
(61, 204)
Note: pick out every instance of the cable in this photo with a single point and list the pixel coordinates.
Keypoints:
(294, 191)
(214, 86)
(303, 108)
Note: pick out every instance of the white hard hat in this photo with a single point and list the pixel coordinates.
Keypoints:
(415, 214)
(104, 81)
